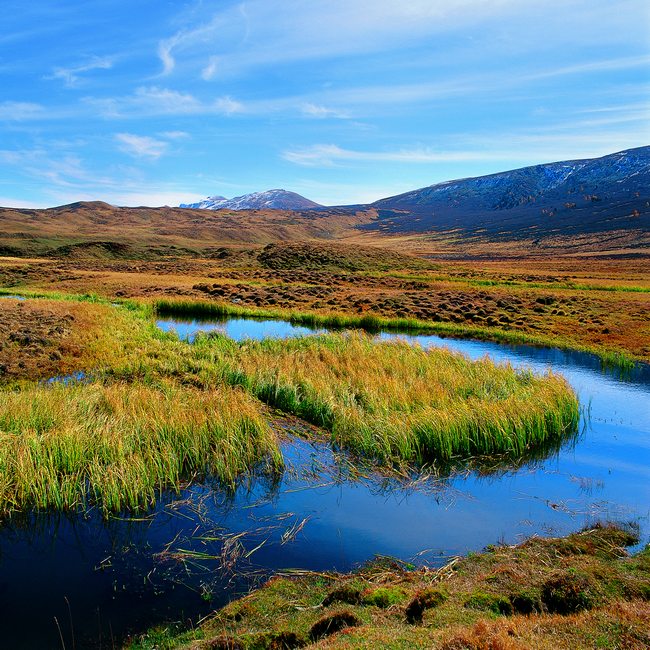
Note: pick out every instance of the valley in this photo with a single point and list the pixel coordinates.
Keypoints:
(213, 419)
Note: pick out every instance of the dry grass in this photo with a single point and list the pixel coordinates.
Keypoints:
(290, 607)
(48, 338)
(600, 305)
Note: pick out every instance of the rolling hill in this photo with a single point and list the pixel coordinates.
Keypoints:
(573, 207)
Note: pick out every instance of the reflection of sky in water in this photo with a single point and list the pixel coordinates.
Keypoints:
(235, 328)
(605, 475)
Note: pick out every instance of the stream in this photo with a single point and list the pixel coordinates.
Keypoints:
(91, 582)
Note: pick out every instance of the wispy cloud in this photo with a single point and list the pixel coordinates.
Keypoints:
(326, 155)
(175, 135)
(578, 139)
(71, 76)
(210, 70)
(318, 111)
(154, 100)
(141, 146)
(603, 65)
(259, 33)
(19, 111)
(262, 33)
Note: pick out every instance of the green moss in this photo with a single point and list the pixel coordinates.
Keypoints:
(485, 602)
(384, 597)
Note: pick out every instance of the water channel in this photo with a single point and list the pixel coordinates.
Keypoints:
(79, 576)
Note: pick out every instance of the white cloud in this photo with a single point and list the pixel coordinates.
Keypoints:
(165, 53)
(71, 76)
(175, 135)
(162, 196)
(604, 65)
(11, 202)
(316, 110)
(261, 33)
(154, 100)
(141, 146)
(19, 111)
(210, 69)
(569, 140)
(226, 105)
(327, 155)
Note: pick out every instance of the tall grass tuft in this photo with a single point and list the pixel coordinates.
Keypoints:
(397, 402)
(118, 445)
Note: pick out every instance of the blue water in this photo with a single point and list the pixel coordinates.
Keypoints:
(126, 574)
(606, 475)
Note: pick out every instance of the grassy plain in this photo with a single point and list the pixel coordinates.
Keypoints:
(579, 592)
(583, 302)
(153, 413)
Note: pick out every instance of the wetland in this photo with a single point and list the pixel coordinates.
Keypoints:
(262, 463)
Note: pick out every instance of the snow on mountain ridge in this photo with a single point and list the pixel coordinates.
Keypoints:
(277, 199)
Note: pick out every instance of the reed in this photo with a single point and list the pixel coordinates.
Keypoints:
(397, 402)
(118, 446)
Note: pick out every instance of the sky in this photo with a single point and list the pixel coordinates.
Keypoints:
(151, 102)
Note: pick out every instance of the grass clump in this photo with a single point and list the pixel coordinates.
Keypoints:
(489, 603)
(384, 597)
(395, 402)
(428, 598)
(66, 447)
(567, 593)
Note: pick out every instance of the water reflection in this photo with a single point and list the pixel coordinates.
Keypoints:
(201, 547)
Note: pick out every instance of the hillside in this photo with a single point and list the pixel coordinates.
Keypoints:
(143, 231)
(570, 198)
(582, 207)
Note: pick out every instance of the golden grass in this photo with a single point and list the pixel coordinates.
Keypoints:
(397, 402)
(119, 445)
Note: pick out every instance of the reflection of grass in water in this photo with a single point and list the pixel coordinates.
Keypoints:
(161, 412)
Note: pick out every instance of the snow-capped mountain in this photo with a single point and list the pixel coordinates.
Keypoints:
(276, 199)
(509, 189)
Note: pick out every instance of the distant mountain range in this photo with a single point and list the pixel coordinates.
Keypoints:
(600, 205)
(275, 199)
(572, 196)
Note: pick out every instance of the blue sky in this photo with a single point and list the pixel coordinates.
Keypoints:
(147, 102)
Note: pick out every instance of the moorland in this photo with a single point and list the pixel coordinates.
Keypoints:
(101, 410)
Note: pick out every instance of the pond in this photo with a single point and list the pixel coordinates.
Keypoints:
(90, 582)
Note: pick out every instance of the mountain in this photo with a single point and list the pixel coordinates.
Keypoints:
(274, 199)
(551, 196)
